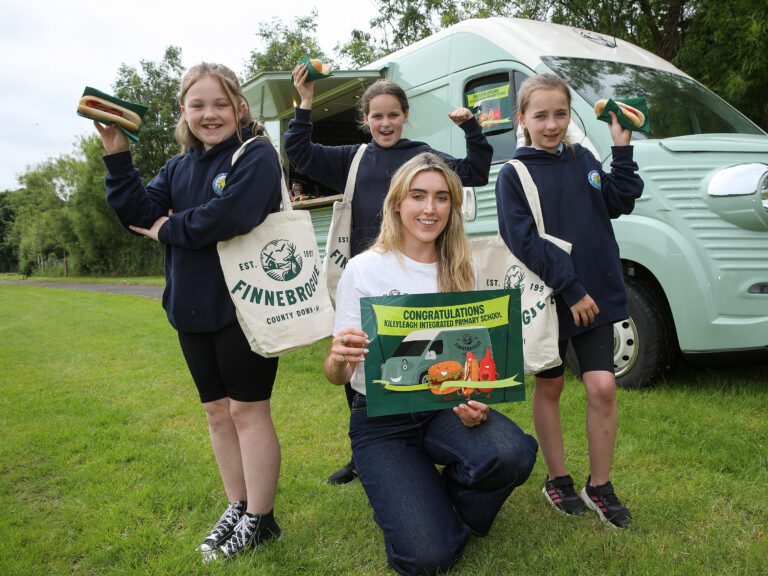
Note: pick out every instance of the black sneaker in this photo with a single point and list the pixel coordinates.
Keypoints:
(563, 497)
(603, 500)
(252, 530)
(223, 528)
(343, 475)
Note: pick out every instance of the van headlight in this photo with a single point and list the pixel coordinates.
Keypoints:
(739, 194)
(763, 188)
(741, 180)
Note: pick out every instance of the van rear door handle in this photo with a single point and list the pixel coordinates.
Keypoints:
(469, 205)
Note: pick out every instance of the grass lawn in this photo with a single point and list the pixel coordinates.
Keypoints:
(107, 468)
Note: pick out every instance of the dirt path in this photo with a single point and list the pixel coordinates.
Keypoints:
(146, 291)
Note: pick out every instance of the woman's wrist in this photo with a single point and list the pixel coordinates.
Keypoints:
(336, 367)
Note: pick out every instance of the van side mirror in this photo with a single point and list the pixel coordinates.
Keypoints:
(431, 355)
(469, 205)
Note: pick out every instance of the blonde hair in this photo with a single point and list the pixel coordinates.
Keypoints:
(231, 86)
(544, 81)
(454, 269)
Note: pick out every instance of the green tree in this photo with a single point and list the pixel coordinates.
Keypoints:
(285, 45)
(9, 261)
(99, 245)
(403, 22)
(155, 85)
(32, 231)
(725, 47)
(361, 49)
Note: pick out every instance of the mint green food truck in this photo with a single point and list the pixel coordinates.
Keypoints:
(695, 249)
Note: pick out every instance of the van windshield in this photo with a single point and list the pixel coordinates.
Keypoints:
(677, 106)
(411, 348)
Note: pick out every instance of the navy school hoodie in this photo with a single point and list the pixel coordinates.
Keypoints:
(330, 166)
(578, 201)
(211, 201)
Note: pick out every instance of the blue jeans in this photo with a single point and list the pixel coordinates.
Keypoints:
(427, 516)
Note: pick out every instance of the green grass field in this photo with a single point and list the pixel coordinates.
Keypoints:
(107, 469)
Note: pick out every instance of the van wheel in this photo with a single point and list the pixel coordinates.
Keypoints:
(424, 378)
(641, 344)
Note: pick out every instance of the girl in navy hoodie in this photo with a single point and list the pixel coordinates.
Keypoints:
(384, 109)
(197, 199)
(578, 201)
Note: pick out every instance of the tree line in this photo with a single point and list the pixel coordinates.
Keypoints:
(58, 220)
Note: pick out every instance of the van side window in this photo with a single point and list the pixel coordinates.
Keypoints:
(437, 347)
(492, 99)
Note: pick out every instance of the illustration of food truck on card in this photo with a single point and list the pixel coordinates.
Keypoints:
(445, 361)
(435, 351)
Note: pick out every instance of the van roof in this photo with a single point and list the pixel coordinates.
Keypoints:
(271, 95)
(529, 40)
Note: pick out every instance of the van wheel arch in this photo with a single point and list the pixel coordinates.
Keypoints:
(645, 345)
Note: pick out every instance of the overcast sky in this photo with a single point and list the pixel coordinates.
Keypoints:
(51, 49)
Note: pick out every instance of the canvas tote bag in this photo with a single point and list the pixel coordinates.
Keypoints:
(275, 279)
(338, 249)
(497, 267)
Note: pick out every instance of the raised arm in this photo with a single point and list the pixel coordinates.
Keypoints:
(305, 88)
(326, 164)
(474, 169)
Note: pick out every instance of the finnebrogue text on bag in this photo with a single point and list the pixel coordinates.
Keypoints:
(338, 258)
(288, 297)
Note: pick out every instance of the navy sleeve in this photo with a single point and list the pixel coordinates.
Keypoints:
(133, 203)
(518, 230)
(251, 193)
(474, 169)
(328, 165)
(622, 186)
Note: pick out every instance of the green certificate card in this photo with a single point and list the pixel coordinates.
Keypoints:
(436, 351)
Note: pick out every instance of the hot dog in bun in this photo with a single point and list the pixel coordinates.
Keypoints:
(320, 66)
(630, 113)
(102, 109)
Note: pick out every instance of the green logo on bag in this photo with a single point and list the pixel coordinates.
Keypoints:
(280, 260)
(514, 278)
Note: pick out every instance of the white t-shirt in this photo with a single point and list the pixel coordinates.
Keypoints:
(375, 274)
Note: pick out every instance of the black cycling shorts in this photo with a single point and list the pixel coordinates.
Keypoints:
(223, 365)
(593, 348)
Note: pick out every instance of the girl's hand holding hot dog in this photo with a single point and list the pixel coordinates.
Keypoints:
(621, 136)
(113, 138)
(305, 87)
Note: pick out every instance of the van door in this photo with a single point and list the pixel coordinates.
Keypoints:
(428, 115)
(490, 91)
